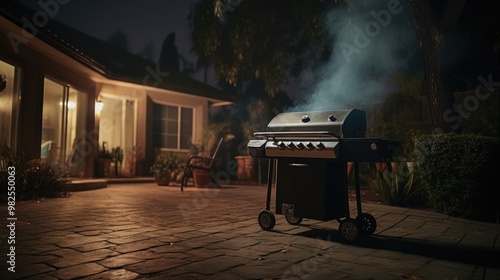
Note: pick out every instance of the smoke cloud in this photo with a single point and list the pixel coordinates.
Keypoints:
(371, 42)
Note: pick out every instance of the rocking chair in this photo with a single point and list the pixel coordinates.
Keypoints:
(201, 163)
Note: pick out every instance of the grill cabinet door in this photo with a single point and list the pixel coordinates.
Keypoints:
(311, 188)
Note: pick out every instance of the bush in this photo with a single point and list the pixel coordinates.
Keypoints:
(34, 179)
(41, 180)
(457, 171)
(400, 187)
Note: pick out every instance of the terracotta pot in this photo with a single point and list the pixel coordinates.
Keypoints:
(202, 179)
(249, 167)
(350, 165)
(246, 168)
(103, 167)
(162, 181)
(241, 173)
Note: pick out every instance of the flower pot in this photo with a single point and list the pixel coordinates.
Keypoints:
(241, 173)
(202, 179)
(246, 168)
(103, 167)
(162, 181)
(249, 167)
(350, 164)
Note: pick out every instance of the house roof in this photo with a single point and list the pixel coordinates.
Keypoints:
(110, 61)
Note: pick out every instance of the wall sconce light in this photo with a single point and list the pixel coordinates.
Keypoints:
(99, 105)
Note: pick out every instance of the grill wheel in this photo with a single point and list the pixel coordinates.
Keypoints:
(349, 230)
(367, 223)
(293, 220)
(267, 221)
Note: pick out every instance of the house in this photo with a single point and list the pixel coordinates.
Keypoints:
(65, 94)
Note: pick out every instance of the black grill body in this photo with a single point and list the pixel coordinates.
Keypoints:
(310, 189)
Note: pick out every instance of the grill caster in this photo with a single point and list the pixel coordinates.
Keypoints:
(349, 229)
(266, 220)
(293, 220)
(367, 223)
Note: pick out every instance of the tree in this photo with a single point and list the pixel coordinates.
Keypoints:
(272, 39)
(258, 39)
(169, 56)
(432, 32)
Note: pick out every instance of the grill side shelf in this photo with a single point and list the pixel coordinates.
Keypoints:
(368, 149)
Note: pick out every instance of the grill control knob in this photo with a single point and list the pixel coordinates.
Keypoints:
(290, 145)
(280, 145)
(374, 146)
(305, 118)
(320, 146)
(299, 145)
(332, 118)
(309, 145)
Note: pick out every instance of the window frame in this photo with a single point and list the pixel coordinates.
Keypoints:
(179, 125)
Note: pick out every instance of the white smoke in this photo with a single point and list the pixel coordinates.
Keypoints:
(368, 45)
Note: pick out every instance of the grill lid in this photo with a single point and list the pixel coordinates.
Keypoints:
(349, 123)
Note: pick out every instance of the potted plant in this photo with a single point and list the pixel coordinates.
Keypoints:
(164, 166)
(245, 162)
(104, 160)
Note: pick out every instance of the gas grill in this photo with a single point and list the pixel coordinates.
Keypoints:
(309, 153)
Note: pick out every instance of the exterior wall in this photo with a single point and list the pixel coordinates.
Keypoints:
(39, 60)
(144, 98)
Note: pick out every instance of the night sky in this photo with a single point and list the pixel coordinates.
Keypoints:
(143, 22)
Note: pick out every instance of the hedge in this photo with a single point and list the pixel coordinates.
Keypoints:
(460, 173)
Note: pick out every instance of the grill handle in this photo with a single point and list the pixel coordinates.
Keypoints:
(298, 164)
(296, 133)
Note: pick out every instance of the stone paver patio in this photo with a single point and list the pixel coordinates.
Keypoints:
(138, 231)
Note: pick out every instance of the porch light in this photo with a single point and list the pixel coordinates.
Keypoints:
(98, 106)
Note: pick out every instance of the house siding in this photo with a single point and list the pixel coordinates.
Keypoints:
(39, 60)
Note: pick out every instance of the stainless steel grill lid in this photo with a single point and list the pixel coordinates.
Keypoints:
(349, 123)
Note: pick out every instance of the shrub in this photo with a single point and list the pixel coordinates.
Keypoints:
(34, 179)
(400, 187)
(457, 171)
(41, 180)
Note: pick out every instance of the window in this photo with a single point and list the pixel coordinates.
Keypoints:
(9, 95)
(172, 127)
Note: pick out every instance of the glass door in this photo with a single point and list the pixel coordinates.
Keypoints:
(63, 126)
(117, 131)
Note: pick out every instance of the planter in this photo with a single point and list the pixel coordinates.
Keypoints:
(246, 168)
(249, 167)
(202, 179)
(350, 165)
(103, 167)
(162, 181)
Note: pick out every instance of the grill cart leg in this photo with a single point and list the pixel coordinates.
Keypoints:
(366, 222)
(358, 187)
(348, 227)
(266, 218)
(269, 183)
